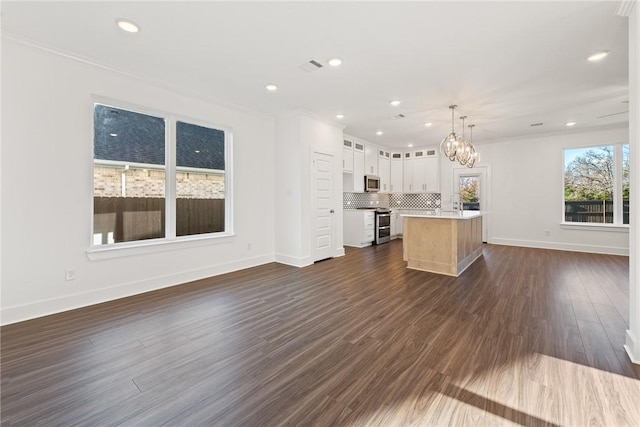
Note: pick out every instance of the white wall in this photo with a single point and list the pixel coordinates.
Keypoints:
(526, 179)
(298, 135)
(632, 342)
(288, 192)
(47, 184)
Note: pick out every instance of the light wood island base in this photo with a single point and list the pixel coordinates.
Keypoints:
(445, 244)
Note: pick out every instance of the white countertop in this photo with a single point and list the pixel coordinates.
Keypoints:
(447, 214)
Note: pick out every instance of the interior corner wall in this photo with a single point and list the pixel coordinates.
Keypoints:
(527, 192)
(298, 135)
(288, 192)
(47, 187)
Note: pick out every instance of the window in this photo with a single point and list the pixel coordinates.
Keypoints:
(596, 185)
(133, 174)
(469, 190)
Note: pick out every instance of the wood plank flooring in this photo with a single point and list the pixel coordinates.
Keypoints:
(523, 337)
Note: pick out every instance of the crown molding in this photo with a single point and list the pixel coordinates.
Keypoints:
(7, 36)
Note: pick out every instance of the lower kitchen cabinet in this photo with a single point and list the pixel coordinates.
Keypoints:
(395, 232)
(399, 222)
(359, 227)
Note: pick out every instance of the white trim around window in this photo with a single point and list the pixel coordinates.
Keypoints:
(170, 241)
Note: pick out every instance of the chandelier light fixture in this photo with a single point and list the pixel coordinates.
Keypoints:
(456, 147)
(473, 156)
(449, 145)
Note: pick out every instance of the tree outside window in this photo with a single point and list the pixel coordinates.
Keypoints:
(590, 175)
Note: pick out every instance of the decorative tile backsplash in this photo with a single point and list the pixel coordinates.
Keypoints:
(363, 200)
(415, 200)
(392, 200)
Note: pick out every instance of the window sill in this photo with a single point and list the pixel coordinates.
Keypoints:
(96, 253)
(615, 228)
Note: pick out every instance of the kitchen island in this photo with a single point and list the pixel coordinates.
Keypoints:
(444, 243)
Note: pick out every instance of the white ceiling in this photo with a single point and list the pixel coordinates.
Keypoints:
(505, 64)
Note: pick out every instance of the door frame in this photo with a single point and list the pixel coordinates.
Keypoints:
(314, 200)
(484, 172)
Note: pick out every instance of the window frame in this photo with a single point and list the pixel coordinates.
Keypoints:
(617, 224)
(170, 241)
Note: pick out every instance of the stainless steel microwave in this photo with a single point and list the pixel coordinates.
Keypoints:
(371, 183)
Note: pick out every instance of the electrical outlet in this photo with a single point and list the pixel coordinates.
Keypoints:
(70, 275)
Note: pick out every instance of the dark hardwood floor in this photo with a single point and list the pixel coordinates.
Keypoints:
(523, 337)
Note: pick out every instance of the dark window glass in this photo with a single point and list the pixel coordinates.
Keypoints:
(128, 176)
(122, 135)
(200, 179)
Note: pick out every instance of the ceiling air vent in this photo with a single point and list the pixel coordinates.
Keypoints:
(398, 116)
(312, 65)
(535, 124)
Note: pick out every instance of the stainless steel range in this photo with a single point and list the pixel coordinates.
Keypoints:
(382, 226)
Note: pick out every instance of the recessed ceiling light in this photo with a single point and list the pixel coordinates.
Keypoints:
(340, 116)
(410, 145)
(379, 132)
(395, 103)
(570, 123)
(335, 62)
(271, 87)
(127, 26)
(598, 56)
(428, 124)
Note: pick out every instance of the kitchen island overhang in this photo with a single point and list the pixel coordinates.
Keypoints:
(443, 243)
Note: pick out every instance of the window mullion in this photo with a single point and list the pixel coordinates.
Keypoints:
(170, 189)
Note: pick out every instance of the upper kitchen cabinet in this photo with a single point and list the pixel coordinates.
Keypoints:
(354, 182)
(347, 156)
(371, 159)
(407, 172)
(421, 171)
(384, 171)
(395, 179)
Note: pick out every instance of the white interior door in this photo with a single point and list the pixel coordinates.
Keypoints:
(323, 206)
(472, 186)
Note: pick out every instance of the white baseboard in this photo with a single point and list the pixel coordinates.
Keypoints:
(293, 261)
(609, 250)
(303, 261)
(57, 305)
(632, 346)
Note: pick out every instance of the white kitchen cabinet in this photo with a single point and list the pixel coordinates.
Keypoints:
(347, 156)
(371, 159)
(394, 223)
(399, 222)
(407, 172)
(428, 175)
(419, 175)
(358, 227)
(432, 177)
(396, 169)
(358, 167)
(421, 171)
(384, 171)
(354, 182)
